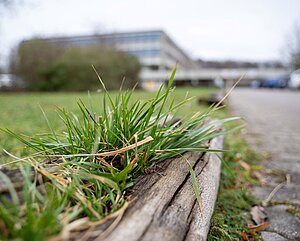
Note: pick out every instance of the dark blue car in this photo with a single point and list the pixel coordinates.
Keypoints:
(276, 82)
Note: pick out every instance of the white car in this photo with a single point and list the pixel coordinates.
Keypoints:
(295, 79)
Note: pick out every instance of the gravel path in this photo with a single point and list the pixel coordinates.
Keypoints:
(273, 118)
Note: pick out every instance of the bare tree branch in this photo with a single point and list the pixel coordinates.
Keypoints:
(293, 47)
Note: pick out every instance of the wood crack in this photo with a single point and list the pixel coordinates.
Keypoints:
(180, 187)
(165, 206)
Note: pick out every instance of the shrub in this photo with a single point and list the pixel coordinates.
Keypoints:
(44, 66)
(30, 59)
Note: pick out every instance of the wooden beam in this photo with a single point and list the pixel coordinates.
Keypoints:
(165, 206)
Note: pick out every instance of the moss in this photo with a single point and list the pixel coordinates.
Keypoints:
(217, 233)
(232, 211)
(295, 211)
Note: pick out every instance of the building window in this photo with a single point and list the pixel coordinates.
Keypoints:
(145, 52)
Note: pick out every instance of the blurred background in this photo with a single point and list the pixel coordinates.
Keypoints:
(50, 45)
(48, 48)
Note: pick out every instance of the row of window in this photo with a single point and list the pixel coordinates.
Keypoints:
(130, 38)
(82, 43)
(113, 39)
(144, 53)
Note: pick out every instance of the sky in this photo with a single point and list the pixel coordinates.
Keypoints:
(253, 30)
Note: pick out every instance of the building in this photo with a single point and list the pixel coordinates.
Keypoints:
(155, 50)
(159, 54)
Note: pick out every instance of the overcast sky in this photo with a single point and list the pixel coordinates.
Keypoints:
(211, 29)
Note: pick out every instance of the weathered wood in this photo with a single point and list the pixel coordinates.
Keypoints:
(212, 99)
(166, 207)
(163, 203)
(14, 175)
(209, 181)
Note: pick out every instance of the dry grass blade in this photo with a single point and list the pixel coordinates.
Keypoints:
(266, 202)
(228, 93)
(114, 224)
(108, 153)
(82, 223)
(62, 184)
(99, 78)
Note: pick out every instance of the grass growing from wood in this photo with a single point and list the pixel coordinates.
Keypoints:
(81, 175)
(21, 112)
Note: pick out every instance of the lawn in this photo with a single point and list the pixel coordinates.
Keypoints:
(22, 113)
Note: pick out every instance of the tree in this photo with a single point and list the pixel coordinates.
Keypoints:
(31, 58)
(293, 48)
(73, 71)
(48, 67)
(5, 7)
(7, 3)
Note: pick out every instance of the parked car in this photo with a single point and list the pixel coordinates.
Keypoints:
(281, 82)
(295, 79)
(255, 84)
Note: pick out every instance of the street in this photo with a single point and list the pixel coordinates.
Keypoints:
(273, 125)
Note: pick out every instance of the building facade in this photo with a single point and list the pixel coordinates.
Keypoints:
(155, 50)
(159, 54)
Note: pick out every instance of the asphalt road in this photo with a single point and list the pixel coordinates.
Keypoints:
(273, 119)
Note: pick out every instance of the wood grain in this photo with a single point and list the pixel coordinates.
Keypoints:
(165, 206)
